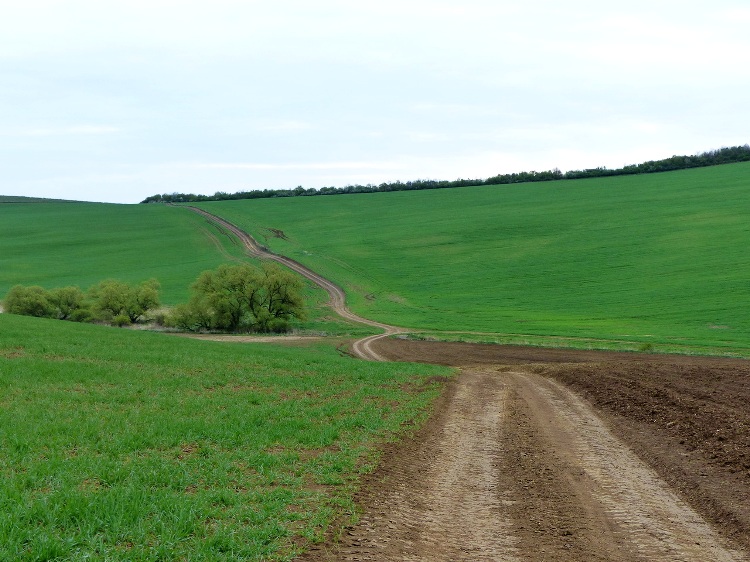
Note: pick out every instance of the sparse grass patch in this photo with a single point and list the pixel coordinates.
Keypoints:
(119, 445)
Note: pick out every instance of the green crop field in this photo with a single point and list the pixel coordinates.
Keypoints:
(128, 445)
(659, 259)
(56, 244)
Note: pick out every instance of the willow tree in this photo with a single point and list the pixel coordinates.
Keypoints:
(237, 298)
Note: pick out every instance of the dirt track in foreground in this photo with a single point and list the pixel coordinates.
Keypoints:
(652, 465)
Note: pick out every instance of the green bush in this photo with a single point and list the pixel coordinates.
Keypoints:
(242, 298)
(69, 303)
(190, 317)
(112, 298)
(29, 301)
(110, 301)
(121, 320)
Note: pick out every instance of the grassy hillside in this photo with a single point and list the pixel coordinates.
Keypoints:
(21, 199)
(123, 445)
(56, 244)
(655, 258)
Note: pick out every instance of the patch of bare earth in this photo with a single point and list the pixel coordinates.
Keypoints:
(282, 339)
(515, 466)
(438, 496)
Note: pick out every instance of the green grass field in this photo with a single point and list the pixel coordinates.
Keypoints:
(138, 446)
(56, 244)
(128, 445)
(656, 259)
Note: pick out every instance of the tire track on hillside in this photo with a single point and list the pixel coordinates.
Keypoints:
(336, 296)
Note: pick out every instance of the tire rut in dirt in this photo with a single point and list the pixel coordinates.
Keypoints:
(688, 421)
(439, 498)
(553, 514)
(642, 509)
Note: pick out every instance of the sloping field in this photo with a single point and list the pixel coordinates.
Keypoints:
(124, 445)
(654, 259)
(56, 244)
(141, 446)
(21, 199)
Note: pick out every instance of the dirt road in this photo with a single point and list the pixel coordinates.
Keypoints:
(336, 296)
(653, 465)
(560, 455)
(514, 466)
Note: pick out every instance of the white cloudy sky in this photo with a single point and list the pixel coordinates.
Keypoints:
(114, 101)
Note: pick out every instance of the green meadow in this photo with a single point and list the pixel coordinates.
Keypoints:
(129, 445)
(650, 260)
(132, 445)
(55, 244)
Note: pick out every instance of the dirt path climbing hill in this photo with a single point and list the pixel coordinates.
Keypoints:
(337, 298)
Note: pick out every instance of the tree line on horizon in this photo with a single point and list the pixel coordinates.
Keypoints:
(726, 155)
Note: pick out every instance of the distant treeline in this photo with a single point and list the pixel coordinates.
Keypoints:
(711, 158)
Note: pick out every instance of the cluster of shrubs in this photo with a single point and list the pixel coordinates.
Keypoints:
(232, 298)
(242, 298)
(111, 301)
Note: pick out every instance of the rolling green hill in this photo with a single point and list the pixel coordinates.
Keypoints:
(56, 244)
(650, 259)
(129, 445)
(659, 258)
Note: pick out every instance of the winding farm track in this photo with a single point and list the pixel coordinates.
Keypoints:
(516, 466)
(336, 296)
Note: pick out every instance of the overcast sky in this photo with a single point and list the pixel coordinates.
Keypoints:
(114, 101)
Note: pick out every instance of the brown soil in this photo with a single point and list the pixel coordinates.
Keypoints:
(232, 338)
(651, 464)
